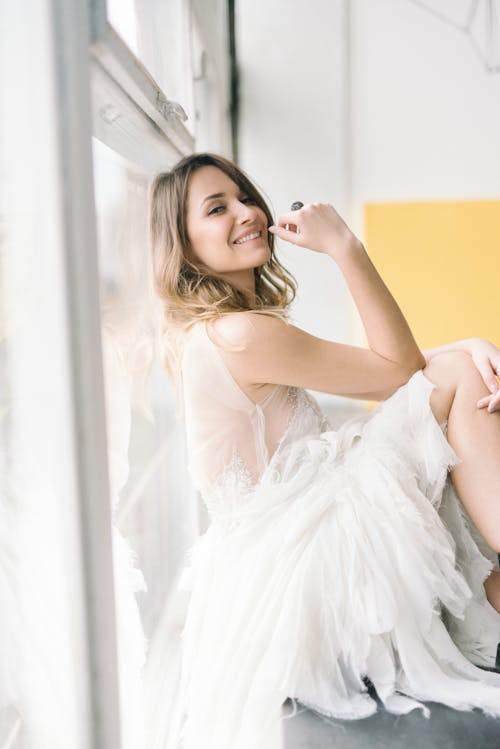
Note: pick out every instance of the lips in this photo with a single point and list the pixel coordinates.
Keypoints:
(248, 236)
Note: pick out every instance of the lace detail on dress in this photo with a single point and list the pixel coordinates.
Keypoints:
(292, 399)
(324, 423)
(236, 484)
(231, 487)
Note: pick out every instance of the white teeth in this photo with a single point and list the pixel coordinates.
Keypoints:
(248, 237)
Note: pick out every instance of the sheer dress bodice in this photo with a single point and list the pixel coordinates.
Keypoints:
(232, 441)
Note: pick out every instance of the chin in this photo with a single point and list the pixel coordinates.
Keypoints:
(264, 257)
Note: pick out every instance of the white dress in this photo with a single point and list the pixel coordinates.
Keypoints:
(331, 556)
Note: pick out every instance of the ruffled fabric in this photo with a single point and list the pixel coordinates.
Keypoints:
(350, 558)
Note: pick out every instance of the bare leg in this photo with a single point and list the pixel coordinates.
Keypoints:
(474, 434)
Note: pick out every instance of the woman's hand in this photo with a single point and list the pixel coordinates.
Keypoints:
(486, 357)
(319, 228)
(492, 402)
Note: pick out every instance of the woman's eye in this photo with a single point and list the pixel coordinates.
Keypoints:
(215, 210)
(219, 208)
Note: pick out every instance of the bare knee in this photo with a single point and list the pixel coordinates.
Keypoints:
(448, 372)
(449, 368)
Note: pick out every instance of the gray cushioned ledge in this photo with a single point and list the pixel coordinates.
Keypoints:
(445, 729)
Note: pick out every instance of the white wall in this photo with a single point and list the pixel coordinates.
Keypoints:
(212, 95)
(290, 56)
(400, 108)
(425, 113)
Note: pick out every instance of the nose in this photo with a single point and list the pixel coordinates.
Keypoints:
(246, 212)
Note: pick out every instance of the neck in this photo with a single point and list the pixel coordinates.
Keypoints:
(244, 280)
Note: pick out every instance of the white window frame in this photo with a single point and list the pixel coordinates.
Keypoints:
(123, 92)
(71, 73)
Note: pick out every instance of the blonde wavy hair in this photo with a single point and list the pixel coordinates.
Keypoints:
(188, 292)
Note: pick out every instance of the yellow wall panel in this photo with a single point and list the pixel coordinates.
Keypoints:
(441, 260)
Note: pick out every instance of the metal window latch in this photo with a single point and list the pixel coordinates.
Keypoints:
(171, 109)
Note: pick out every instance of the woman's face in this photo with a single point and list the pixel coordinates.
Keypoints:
(228, 232)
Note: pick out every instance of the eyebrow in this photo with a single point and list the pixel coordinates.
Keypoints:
(215, 195)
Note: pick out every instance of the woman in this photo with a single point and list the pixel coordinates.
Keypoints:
(333, 559)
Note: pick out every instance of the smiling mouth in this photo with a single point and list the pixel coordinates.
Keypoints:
(249, 237)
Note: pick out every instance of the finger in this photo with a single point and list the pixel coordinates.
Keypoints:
(287, 235)
(488, 374)
(494, 404)
(484, 401)
(289, 218)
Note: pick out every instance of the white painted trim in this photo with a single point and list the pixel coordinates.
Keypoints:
(121, 125)
(70, 22)
(126, 70)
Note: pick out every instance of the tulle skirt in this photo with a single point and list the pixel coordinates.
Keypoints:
(354, 558)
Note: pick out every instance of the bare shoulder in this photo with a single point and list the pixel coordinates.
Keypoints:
(240, 331)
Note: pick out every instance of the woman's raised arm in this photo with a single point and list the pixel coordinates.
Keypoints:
(261, 349)
(320, 228)
(275, 352)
